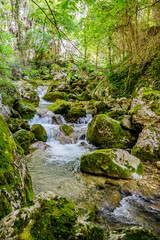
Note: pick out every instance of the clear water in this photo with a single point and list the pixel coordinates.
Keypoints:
(57, 169)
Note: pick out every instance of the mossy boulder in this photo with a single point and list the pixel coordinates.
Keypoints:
(111, 162)
(106, 132)
(14, 124)
(26, 110)
(66, 129)
(53, 96)
(39, 132)
(147, 147)
(50, 217)
(145, 108)
(131, 233)
(75, 113)
(24, 138)
(27, 92)
(15, 181)
(60, 107)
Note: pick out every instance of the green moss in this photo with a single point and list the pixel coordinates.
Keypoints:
(67, 130)
(84, 96)
(60, 107)
(140, 169)
(10, 179)
(106, 132)
(14, 124)
(39, 132)
(24, 139)
(135, 109)
(75, 113)
(101, 107)
(150, 94)
(132, 233)
(5, 205)
(53, 96)
(104, 162)
(26, 110)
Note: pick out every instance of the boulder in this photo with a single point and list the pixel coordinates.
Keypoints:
(24, 139)
(106, 132)
(113, 163)
(50, 217)
(15, 181)
(66, 129)
(26, 110)
(129, 233)
(145, 108)
(27, 92)
(39, 132)
(53, 96)
(60, 107)
(147, 147)
(75, 113)
(14, 124)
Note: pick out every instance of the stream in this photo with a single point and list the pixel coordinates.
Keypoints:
(57, 169)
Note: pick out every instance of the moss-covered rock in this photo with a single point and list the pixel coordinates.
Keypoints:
(15, 181)
(60, 107)
(50, 217)
(147, 147)
(27, 92)
(131, 233)
(101, 107)
(66, 129)
(14, 124)
(145, 107)
(39, 132)
(26, 110)
(53, 96)
(75, 113)
(111, 162)
(24, 139)
(106, 132)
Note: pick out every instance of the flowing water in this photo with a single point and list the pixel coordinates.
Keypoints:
(56, 169)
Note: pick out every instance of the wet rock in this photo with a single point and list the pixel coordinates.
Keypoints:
(60, 107)
(128, 233)
(53, 96)
(112, 162)
(50, 217)
(15, 181)
(66, 129)
(38, 146)
(147, 147)
(25, 125)
(145, 107)
(39, 132)
(106, 132)
(129, 187)
(26, 110)
(112, 198)
(75, 113)
(24, 139)
(4, 110)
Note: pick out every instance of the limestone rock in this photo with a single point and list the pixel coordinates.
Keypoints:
(50, 217)
(106, 132)
(66, 129)
(26, 110)
(147, 147)
(27, 92)
(145, 107)
(112, 162)
(75, 113)
(128, 233)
